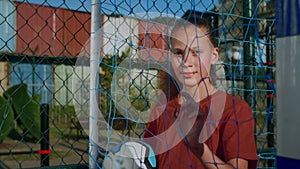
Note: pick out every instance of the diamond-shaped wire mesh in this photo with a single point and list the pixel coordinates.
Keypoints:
(41, 40)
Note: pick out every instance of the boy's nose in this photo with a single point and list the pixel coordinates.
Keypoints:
(188, 59)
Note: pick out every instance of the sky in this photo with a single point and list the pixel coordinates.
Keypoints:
(129, 7)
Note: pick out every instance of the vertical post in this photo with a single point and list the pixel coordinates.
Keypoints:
(96, 22)
(270, 95)
(33, 78)
(287, 83)
(44, 151)
(249, 52)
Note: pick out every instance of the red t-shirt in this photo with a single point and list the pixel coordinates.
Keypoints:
(233, 137)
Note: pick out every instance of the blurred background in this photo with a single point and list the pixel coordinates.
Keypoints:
(43, 43)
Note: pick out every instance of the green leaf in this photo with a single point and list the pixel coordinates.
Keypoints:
(37, 97)
(26, 108)
(6, 118)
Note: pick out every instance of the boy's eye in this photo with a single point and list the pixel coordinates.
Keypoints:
(196, 52)
(179, 54)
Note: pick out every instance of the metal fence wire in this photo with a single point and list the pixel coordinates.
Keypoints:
(45, 73)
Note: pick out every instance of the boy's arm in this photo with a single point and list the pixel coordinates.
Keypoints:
(211, 161)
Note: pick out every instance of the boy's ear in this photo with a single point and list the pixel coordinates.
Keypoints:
(215, 55)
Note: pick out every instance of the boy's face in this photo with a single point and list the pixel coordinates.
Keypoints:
(192, 55)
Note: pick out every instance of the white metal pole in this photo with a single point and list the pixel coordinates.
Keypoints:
(94, 81)
(287, 83)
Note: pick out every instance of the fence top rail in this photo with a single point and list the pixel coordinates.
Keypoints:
(21, 58)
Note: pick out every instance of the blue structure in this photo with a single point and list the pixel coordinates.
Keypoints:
(39, 79)
(288, 82)
(7, 26)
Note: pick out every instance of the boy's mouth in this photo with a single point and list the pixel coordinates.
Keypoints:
(188, 74)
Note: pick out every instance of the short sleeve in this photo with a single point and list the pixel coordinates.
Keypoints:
(158, 115)
(151, 128)
(238, 134)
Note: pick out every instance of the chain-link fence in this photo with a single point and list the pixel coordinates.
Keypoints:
(42, 42)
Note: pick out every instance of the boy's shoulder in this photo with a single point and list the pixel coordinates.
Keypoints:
(237, 108)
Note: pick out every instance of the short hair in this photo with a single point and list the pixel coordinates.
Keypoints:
(209, 21)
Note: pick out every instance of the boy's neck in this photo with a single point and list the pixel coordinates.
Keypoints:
(201, 91)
